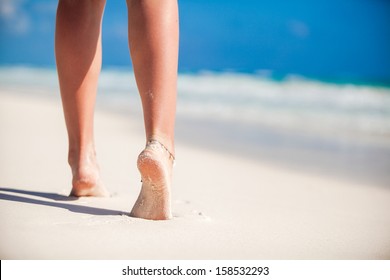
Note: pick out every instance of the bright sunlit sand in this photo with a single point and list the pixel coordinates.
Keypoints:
(225, 206)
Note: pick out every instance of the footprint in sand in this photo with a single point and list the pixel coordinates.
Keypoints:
(185, 209)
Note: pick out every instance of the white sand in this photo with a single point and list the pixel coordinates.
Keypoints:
(225, 207)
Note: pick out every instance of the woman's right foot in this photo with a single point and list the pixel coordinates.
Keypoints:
(155, 165)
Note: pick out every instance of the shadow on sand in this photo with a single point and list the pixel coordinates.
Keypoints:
(55, 197)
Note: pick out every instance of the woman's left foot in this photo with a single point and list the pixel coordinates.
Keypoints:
(86, 178)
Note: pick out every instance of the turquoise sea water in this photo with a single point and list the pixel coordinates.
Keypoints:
(293, 103)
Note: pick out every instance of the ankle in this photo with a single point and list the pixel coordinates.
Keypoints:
(85, 169)
(164, 141)
(155, 145)
(81, 157)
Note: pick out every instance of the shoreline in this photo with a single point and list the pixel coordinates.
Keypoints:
(339, 81)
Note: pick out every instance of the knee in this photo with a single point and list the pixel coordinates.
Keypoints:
(80, 11)
(82, 4)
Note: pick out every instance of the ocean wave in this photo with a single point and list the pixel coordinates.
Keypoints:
(294, 103)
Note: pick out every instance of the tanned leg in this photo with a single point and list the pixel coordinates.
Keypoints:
(153, 42)
(78, 55)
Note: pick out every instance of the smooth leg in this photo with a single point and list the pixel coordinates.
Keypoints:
(153, 43)
(78, 56)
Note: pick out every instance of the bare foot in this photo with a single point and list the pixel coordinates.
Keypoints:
(155, 165)
(86, 179)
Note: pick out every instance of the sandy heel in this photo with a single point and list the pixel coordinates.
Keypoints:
(154, 201)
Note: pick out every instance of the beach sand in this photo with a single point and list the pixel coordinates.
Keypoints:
(225, 206)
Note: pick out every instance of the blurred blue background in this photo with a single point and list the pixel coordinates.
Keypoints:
(332, 40)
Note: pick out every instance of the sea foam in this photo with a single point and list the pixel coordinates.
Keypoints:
(294, 103)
